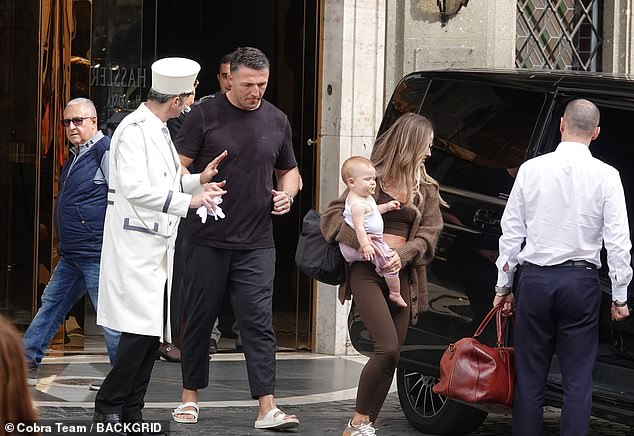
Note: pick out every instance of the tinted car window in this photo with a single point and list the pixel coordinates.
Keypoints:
(482, 135)
(406, 98)
(477, 132)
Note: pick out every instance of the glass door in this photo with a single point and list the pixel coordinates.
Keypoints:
(296, 74)
(107, 66)
(287, 31)
(118, 78)
(20, 131)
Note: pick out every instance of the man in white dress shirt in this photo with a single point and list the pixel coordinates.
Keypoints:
(564, 205)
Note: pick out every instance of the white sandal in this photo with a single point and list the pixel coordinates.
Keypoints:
(278, 420)
(179, 411)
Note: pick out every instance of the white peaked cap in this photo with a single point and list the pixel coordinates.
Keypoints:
(174, 76)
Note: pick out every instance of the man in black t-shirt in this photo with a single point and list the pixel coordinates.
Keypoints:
(224, 69)
(237, 253)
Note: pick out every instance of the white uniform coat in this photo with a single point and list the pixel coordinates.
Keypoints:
(145, 203)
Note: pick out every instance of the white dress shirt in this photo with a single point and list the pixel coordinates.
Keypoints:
(564, 205)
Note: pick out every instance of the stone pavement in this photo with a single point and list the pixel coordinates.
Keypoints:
(323, 419)
(319, 389)
(316, 419)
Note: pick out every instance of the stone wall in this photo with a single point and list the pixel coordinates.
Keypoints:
(618, 33)
(351, 111)
(480, 35)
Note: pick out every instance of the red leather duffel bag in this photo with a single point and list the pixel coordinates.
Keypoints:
(473, 372)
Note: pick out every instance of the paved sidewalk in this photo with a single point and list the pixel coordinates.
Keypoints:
(319, 389)
(324, 419)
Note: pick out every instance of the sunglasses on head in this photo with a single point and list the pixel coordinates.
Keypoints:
(78, 121)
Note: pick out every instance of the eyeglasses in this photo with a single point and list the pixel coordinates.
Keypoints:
(77, 121)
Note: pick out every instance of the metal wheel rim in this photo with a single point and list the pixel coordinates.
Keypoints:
(420, 395)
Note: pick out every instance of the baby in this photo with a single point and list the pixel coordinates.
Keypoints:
(364, 216)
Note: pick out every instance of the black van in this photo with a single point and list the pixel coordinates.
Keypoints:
(487, 122)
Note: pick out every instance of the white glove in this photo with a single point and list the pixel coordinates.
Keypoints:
(215, 211)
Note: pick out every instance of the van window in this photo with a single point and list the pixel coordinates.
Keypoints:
(482, 134)
(406, 98)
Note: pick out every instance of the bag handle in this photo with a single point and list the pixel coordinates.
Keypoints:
(501, 323)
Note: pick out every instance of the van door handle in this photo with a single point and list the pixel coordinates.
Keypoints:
(487, 219)
(311, 142)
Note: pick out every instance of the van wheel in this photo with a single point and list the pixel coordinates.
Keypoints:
(432, 413)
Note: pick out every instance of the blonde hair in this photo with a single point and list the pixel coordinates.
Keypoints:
(15, 399)
(351, 164)
(398, 156)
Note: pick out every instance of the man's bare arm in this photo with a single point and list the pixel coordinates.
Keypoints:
(288, 181)
(288, 184)
(185, 163)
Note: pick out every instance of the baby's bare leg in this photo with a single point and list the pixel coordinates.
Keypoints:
(394, 284)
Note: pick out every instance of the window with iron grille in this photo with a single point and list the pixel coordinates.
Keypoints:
(559, 34)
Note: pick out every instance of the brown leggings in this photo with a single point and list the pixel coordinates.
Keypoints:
(387, 326)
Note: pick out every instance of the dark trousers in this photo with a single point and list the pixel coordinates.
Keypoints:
(180, 248)
(248, 277)
(387, 325)
(124, 388)
(557, 312)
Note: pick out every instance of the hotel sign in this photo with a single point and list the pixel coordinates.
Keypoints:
(125, 77)
(124, 84)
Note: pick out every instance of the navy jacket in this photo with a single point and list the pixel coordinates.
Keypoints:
(81, 204)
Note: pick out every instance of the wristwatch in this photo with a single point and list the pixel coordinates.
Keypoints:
(501, 291)
(619, 303)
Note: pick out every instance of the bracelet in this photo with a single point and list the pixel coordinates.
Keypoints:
(501, 291)
(290, 197)
(619, 303)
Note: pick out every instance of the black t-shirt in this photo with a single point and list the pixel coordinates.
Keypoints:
(258, 142)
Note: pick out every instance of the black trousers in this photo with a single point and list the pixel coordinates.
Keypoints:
(180, 248)
(557, 312)
(247, 275)
(123, 390)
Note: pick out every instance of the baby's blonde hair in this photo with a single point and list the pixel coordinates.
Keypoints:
(352, 164)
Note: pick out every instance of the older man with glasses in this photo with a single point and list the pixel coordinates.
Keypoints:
(79, 218)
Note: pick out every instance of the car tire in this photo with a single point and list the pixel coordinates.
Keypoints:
(432, 413)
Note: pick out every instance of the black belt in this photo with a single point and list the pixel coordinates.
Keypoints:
(569, 264)
(575, 264)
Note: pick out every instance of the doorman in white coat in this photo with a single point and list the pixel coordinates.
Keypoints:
(147, 197)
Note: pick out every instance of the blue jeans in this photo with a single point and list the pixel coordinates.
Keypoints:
(72, 278)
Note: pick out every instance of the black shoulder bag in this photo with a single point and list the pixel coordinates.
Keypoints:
(314, 256)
